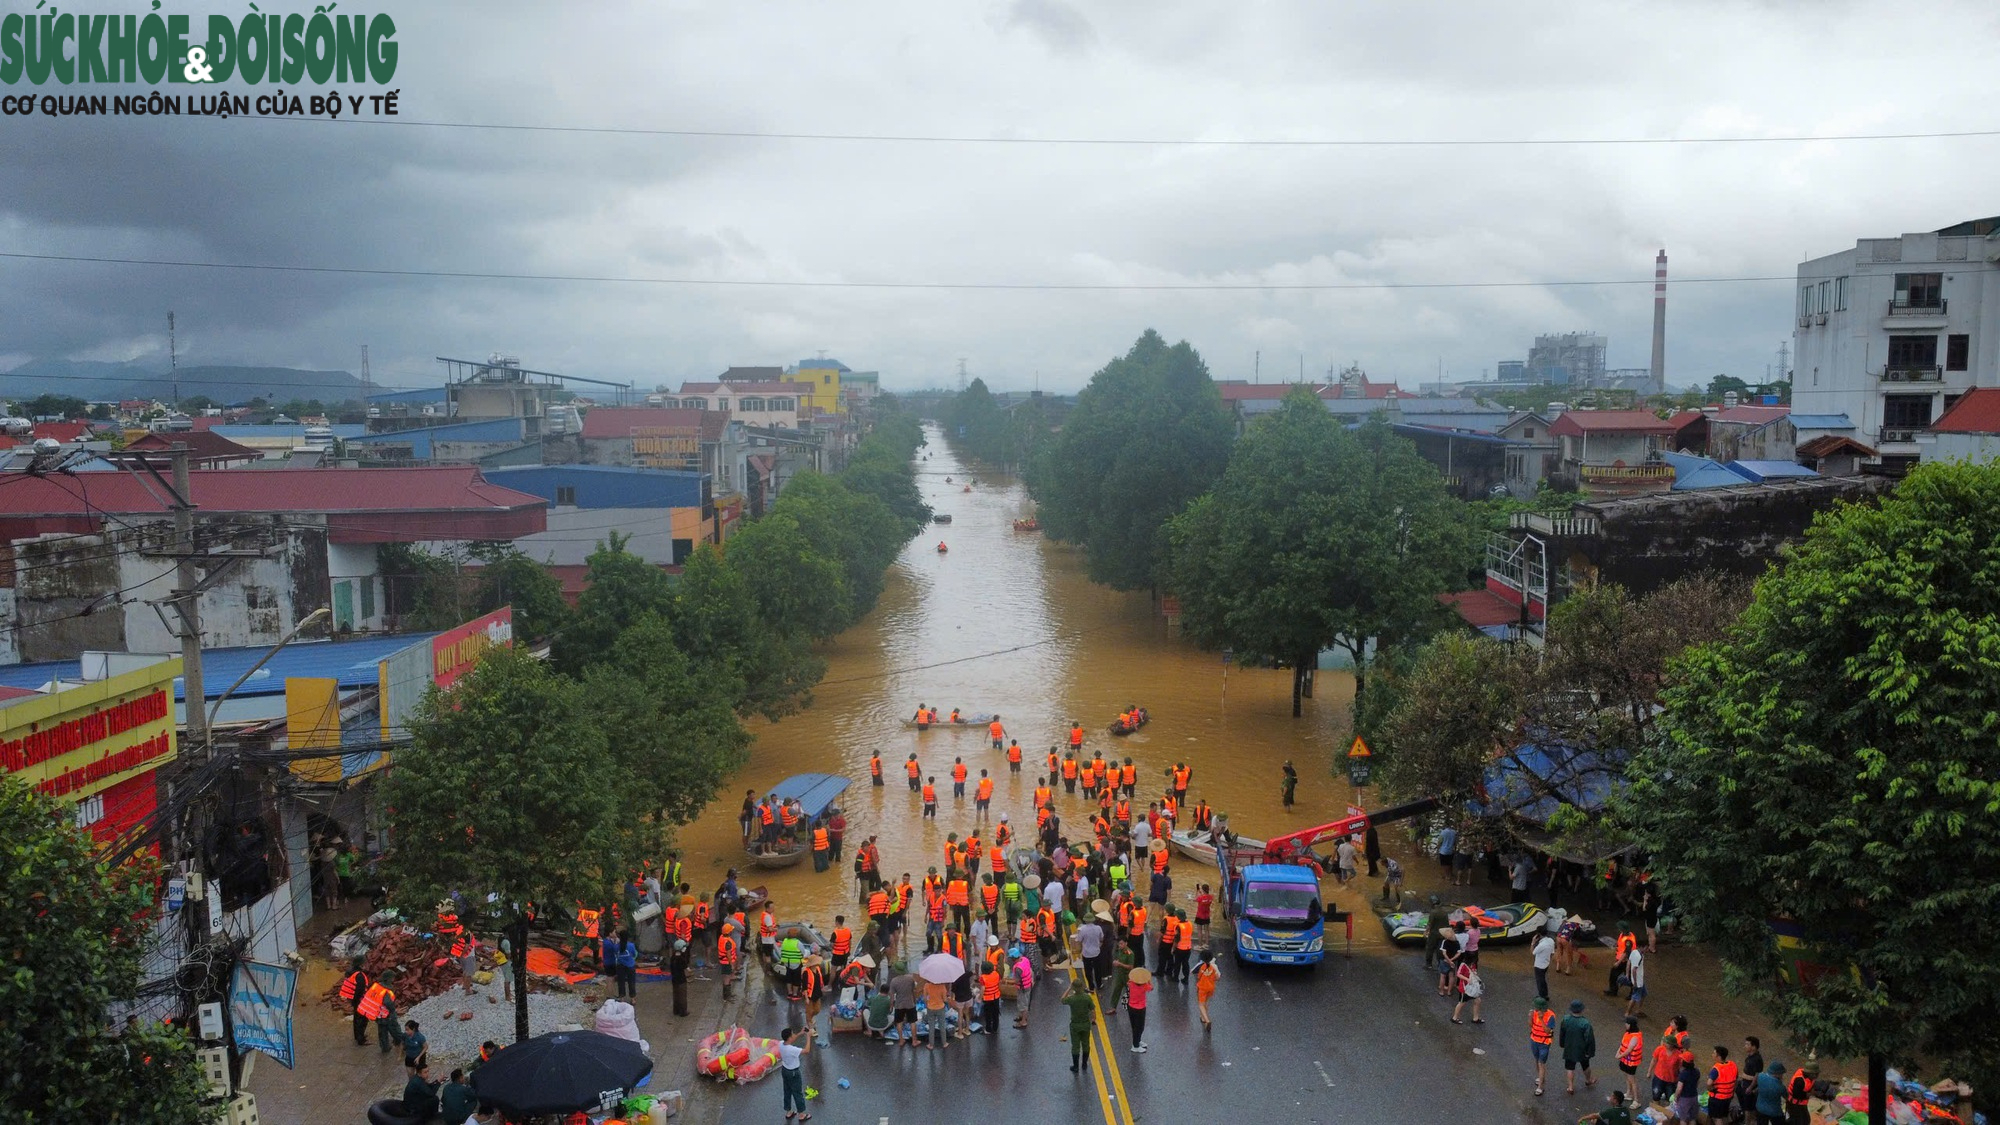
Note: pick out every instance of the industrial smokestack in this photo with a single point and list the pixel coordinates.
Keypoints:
(1660, 323)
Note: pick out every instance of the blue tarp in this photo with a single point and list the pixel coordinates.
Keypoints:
(815, 792)
(1521, 783)
(1691, 473)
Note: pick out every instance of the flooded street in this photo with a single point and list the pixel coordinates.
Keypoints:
(1006, 622)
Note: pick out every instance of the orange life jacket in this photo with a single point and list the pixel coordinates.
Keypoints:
(1630, 1046)
(1181, 777)
(355, 981)
(1027, 928)
(1186, 941)
(375, 1002)
(954, 944)
(1076, 736)
(725, 950)
(1542, 1026)
(1124, 813)
(1169, 930)
(1131, 774)
(958, 772)
(1003, 836)
(1138, 920)
(1159, 861)
(764, 811)
(1069, 769)
(996, 730)
(767, 925)
(843, 940)
(701, 915)
(956, 893)
(930, 793)
(1041, 795)
(985, 791)
(1725, 1080)
(821, 842)
(875, 765)
(989, 895)
(1014, 753)
(684, 927)
(997, 856)
(791, 815)
(989, 986)
(878, 904)
(915, 770)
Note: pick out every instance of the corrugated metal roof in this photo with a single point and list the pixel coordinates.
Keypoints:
(1692, 473)
(1750, 415)
(225, 491)
(628, 421)
(352, 663)
(1821, 422)
(1760, 471)
(1575, 423)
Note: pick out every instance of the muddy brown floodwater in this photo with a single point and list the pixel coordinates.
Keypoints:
(1007, 622)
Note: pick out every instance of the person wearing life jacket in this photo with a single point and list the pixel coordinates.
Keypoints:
(1170, 810)
(1042, 795)
(791, 960)
(1131, 778)
(767, 933)
(822, 848)
(989, 993)
(1014, 757)
(875, 767)
(1010, 893)
(1003, 834)
(1123, 813)
(954, 943)
(725, 959)
(788, 813)
(969, 855)
(1721, 1085)
(353, 987)
(1627, 942)
(955, 720)
(1170, 933)
(1075, 735)
(1160, 862)
(1182, 776)
(989, 900)
(684, 925)
(1541, 1038)
(916, 773)
(958, 896)
(1135, 932)
(1631, 1048)
(1054, 764)
(1116, 872)
(1203, 816)
(1086, 778)
(378, 1004)
(1798, 1092)
(996, 733)
(996, 856)
(703, 914)
(982, 795)
(958, 779)
(767, 824)
(929, 790)
(1100, 827)
(1069, 772)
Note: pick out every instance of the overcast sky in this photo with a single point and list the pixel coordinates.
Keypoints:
(405, 197)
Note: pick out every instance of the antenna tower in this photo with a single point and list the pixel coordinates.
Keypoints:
(961, 373)
(173, 360)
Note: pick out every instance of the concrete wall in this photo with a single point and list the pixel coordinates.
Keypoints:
(1977, 448)
(56, 579)
(356, 589)
(1646, 542)
(1736, 441)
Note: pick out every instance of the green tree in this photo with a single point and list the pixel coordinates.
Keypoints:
(1836, 762)
(1317, 536)
(622, 589)
(510, 788)
(716, 622)
(55, 406)
(858, 531)
(508, 577)
(1723, 384)
(1148, 435)
(678, 736)
(880, 467)
(1458, 713)
(73, 935)
(798, 588)
(100, 412)
(427, 592)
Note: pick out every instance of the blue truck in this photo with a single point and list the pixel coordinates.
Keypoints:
(1278, 915)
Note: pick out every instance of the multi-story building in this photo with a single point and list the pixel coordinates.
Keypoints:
(775, 403)
(1574, 358)
(1892, 332)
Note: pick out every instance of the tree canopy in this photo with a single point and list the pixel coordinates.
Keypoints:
(509, 787)
(1317, 536)
(1148, 435)
(72, 934)
(1834, 763)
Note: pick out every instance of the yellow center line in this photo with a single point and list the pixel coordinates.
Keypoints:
(1120, 1112)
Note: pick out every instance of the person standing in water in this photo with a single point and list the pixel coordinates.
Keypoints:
(1290, 785)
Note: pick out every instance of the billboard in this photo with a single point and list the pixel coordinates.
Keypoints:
(84, 741)
(455, 651)
(260, 1008)
(405, 675)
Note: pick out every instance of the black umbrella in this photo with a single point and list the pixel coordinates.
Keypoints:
(561, 1072)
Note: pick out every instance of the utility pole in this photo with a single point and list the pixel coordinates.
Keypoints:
(173, 362)
(367, 387)
(187, 602)
(1256, 376)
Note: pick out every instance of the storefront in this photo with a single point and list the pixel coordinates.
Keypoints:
(97, 746)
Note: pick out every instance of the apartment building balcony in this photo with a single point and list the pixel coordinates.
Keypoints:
(1902, 314)
(1555, 524)
(1911, 373)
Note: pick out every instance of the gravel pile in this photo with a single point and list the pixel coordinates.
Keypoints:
(455, 1042)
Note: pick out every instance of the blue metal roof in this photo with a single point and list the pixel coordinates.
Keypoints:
(1476, 436)
(422, 437)
(1760, 471)
(344, 431)
(1692, 473)
(605, 486)
(1820, 421)
(815, 792)
(352, 663)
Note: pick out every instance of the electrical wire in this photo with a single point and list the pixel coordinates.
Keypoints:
(994, 286)
(1048, 640)
(1141, 142)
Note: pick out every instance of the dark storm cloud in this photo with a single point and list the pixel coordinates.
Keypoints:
(454, 199)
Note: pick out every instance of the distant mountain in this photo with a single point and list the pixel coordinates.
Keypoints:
(99, 381)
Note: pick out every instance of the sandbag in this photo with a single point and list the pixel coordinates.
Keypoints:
(618, 1018)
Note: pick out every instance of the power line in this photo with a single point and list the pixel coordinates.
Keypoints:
(1148, 142)
(1192, 287)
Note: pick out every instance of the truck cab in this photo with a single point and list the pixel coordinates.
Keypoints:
(1278, 914)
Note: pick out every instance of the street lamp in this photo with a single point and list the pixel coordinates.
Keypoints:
(308, 619)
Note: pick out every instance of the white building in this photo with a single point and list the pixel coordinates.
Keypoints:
(1894, 331)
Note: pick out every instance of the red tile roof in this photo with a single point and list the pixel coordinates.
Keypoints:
(62, 431)
(1977, 413)
(1257, 392)
(636, 421)
(360, 505)
(1750, 415)
(1576, 423)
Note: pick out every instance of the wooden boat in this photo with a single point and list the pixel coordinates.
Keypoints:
(1512, 924)
(815, 793)
(941, 517)
(965, 722)
(1119, 728)
(1029, 524)
(1194, 844)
